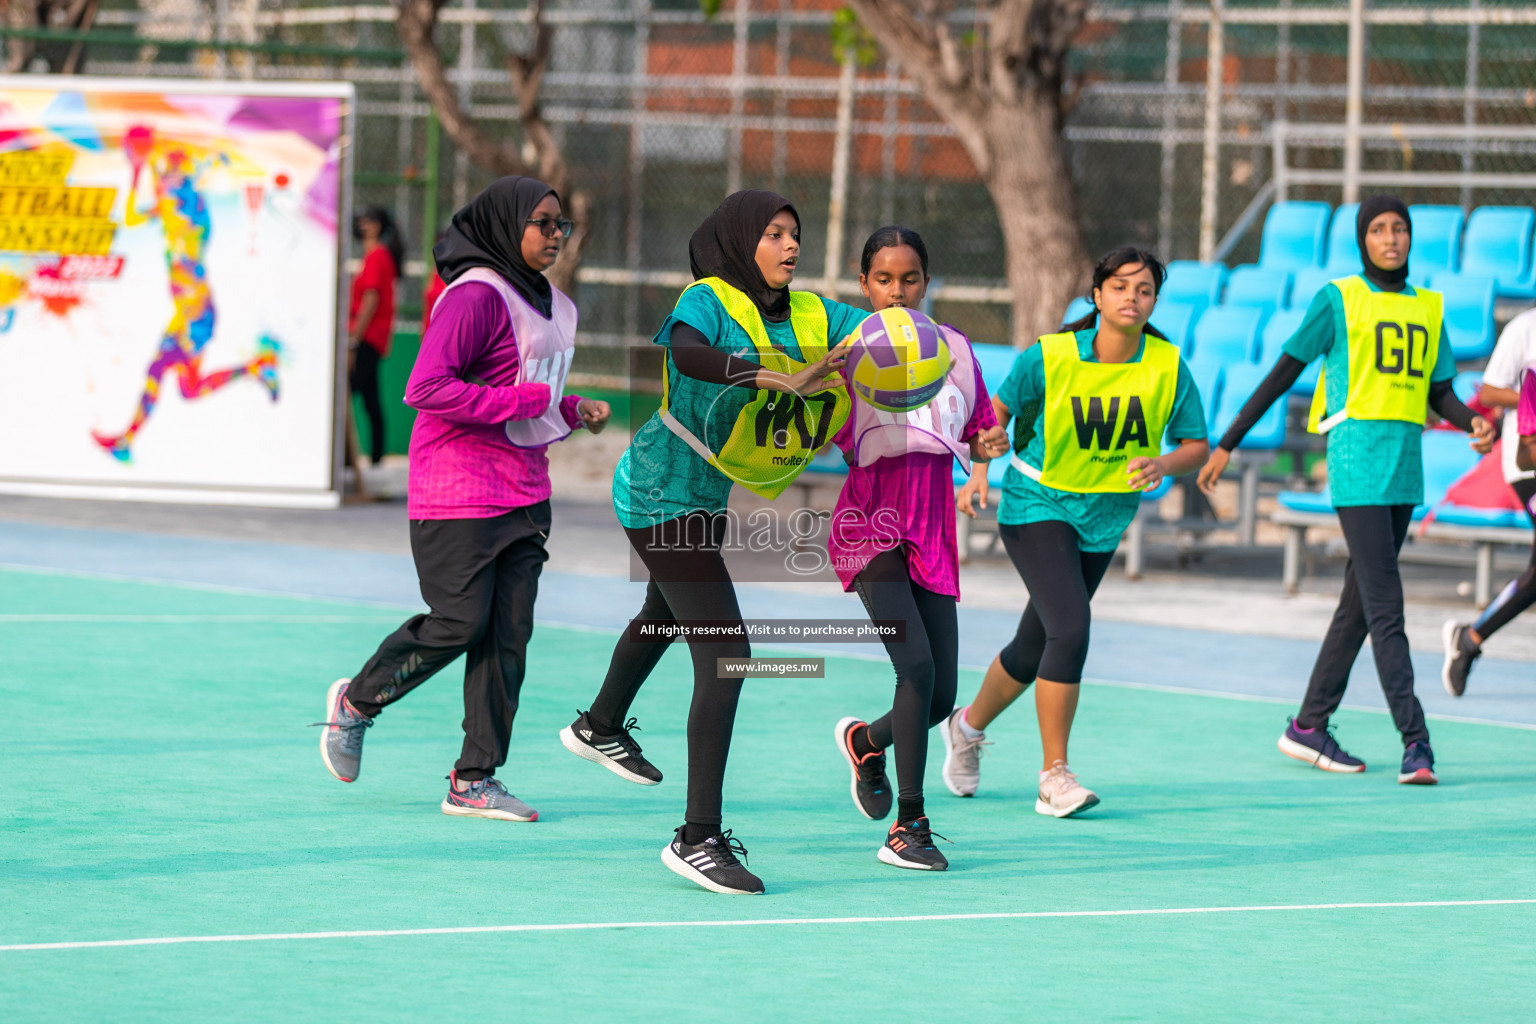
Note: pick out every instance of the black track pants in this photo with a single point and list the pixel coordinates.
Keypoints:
(480, 578)
(1370, 605)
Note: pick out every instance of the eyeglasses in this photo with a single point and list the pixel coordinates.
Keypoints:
(550, 227)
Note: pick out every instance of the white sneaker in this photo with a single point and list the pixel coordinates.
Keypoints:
(962, 756)
(1060, 794)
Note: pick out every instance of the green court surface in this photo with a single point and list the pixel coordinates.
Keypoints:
(159, 781)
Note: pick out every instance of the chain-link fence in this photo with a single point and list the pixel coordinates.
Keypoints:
(661, 111)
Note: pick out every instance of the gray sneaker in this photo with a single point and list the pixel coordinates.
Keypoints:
(341, 744)
(962, 756)
(486, 798)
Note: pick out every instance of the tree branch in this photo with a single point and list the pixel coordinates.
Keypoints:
(417, 22)
(540, 155)
(929, 55)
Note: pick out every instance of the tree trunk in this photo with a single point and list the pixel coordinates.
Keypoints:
(417, 23)
(1031, 186)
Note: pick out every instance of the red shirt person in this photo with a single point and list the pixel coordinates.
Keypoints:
(371, 315)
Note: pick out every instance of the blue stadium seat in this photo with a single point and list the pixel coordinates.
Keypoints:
(1306, 501)
(1343, 251)
(1306, 384)
(1228, 334)
(1208, 378)
(1447, 456)
(995, 362)
(1294, 235)
(1276, 333)
(830, 462)
(1240, 381)
(1176, 320)
(1309, 281)
(1436, 241)
(1076, 310)
(1466, 383)
(1259, 287)
(1468, 313)
(1460, 515)
(1198, 284)
(1498, 245)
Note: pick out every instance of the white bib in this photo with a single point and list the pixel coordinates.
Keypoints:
(544, 352)
(935, 428)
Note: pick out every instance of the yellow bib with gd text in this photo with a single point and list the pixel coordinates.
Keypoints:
(1393, 340)
(776, 434)
(1097, 417)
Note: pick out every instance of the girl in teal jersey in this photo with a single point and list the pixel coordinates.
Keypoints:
(1378, 338)
(1070, 493)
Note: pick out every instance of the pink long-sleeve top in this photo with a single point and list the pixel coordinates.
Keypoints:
(462, 465)
(908, 502)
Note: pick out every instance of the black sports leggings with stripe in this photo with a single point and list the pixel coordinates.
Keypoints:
(925, 662)
(689, 581)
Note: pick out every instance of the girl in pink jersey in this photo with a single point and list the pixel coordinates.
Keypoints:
(487, 388)
(893, 542)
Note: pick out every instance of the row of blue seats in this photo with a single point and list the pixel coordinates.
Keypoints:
(1253, 326)
(1496, 242)
(1446, 458)
(1223, 390)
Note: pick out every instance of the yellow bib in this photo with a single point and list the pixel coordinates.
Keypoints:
(777, 434)
(1393, 340)
(1100, 416)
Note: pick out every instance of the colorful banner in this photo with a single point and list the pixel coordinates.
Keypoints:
(169, 258)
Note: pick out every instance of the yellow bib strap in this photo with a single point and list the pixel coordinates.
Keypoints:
(775, 435)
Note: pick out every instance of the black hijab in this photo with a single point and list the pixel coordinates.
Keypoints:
(1389, 280)
(725, 246)
(488, 233)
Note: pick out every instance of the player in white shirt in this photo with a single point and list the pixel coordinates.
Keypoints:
(1512, 357)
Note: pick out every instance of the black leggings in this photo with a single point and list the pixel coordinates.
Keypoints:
(1371, 604)
(688, 581)
(364, 382)
(1520, 594)
(1052, 638)
(926, 663)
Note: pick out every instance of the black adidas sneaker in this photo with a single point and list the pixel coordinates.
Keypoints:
(618, 752)
(712, 864)
(910, 845)
(870, 788)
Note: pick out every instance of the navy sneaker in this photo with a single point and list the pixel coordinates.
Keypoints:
(1318, 748)
(1418, 765)
(1460, 653)
(341, 744)
(910, 845)
(870, 788)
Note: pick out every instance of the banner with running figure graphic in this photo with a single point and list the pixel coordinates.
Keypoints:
(169, 266)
